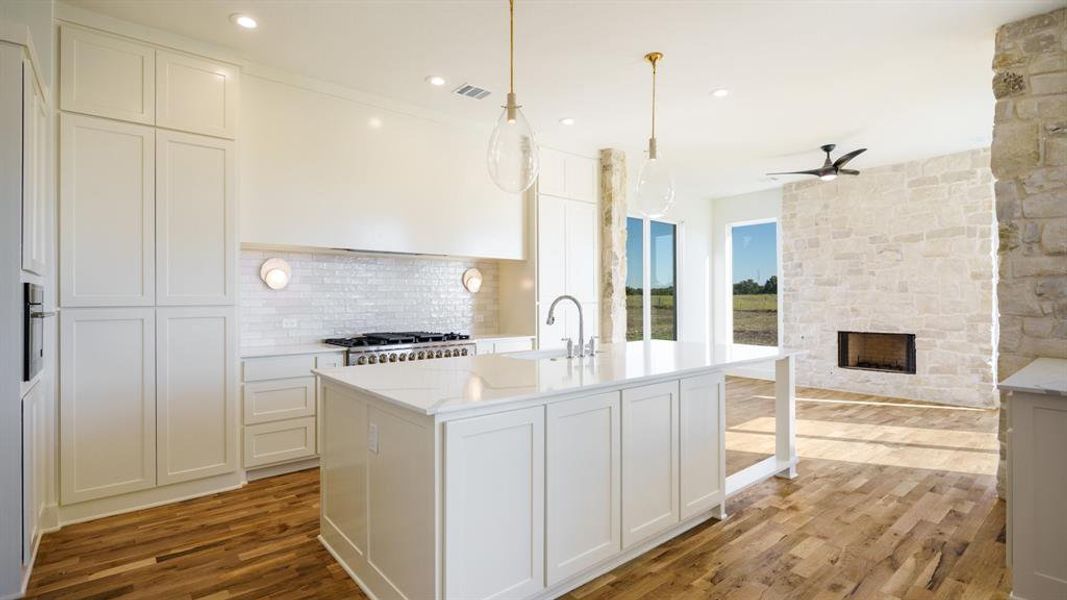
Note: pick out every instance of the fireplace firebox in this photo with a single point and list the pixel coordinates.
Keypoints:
(890, 352)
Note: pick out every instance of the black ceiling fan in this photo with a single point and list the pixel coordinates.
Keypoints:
(830, 169)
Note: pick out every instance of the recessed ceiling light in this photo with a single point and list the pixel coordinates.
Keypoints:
(374, 123)
(435, 80)
(244, 21)
(720, 92)
(568, 121)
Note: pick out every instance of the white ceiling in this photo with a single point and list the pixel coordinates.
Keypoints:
(906, 79)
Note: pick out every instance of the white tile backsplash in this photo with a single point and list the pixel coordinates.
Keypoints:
(332, 295)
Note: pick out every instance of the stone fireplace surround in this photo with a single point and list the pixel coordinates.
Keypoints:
(904, 248)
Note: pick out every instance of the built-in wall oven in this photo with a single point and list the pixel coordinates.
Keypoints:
(33, 315)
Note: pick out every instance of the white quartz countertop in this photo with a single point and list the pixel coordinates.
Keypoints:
(456, 384)
(288, 350)
(1043, 376)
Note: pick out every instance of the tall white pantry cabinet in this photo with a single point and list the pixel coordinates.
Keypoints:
(147, 259)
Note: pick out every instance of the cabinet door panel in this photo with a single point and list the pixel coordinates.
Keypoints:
(106, 76)
(34, 175)
(494, 499)
(196, 95)
(344, 465)
(279, 441)
(582, 174)
(649, 460)
(583, 484)
(580, 278)
(551, 179)
(107, 402)
(195, 220)
(701, 451)
(551, 247)
(196, 358)
(107, 213)
(266, 401)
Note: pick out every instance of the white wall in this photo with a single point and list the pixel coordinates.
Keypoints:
(38, 16)
(322, 166)
(694, 277)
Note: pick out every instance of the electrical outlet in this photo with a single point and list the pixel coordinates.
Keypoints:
(372, 438)
(288, 323)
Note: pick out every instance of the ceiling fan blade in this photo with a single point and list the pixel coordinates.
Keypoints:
(847, 172)
(815, 172)
(843, 159)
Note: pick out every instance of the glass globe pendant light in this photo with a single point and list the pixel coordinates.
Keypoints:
(655, 183)
(512, 158)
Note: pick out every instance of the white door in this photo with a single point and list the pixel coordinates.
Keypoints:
(106, 76)
(583, 484)
(196, 95)
(649, 460)
(196, 370)
(196, 219)
(34, 175)
(107, 213)
(107, 387)
(494, 505)
(702, 455)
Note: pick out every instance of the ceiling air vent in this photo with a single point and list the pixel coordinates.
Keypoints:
(471, 91)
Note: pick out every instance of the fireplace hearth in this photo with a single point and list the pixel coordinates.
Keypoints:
(889, 352)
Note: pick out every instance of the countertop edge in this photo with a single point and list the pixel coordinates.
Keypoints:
(520, 398)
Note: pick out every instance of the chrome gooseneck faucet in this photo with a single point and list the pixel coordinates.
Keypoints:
(582, 350)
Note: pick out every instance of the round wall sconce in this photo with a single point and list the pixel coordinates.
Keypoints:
(275, 273)
(472, 280)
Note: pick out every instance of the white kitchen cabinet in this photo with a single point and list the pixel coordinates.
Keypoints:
(107, 402)
(279, 441)
(107, 213)
(649, 461)
(494, 491)
(34, 467)
(567, 175)
(106, 76)
(35, 152)
(567, 258)
(583, 484)
(702, 452)
(1037, 480)
(196, 399)
(266, 401)
(196, 220)
(197, 95)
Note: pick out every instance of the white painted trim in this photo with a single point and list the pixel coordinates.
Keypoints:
(362, 586)
(116, 505)
(751, 475)
(19, 34)
(256, 474)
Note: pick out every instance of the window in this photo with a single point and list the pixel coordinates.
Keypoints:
(754, 275)
(651, 292)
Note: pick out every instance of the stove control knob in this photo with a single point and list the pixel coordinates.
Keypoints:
(372, 359)
(422, 355)
(411, 356)
(448, 353)
(463, 352)
(383, 357)
(362, 360)
(439, 354)
(402, 357)
(392, 357)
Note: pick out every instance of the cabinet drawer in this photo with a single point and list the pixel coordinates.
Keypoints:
(280, 441)
(278, 367)
(279, 399)
(329, 361)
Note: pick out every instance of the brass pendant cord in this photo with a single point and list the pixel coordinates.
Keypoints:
(511, 47)
(653, 61)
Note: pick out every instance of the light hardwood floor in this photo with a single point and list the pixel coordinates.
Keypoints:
(895, 499)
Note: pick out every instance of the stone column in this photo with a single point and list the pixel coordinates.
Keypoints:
(613, 245)
(1029, 161)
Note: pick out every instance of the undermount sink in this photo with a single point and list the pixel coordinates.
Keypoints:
(550, 353)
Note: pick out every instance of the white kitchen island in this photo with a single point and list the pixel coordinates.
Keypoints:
(525, 475)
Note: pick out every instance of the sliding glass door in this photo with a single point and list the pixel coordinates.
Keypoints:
(651, 280)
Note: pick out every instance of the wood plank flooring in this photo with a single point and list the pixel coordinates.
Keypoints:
(867, 518)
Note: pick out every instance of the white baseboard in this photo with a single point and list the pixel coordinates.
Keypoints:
(292, 467)
(151, 498)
